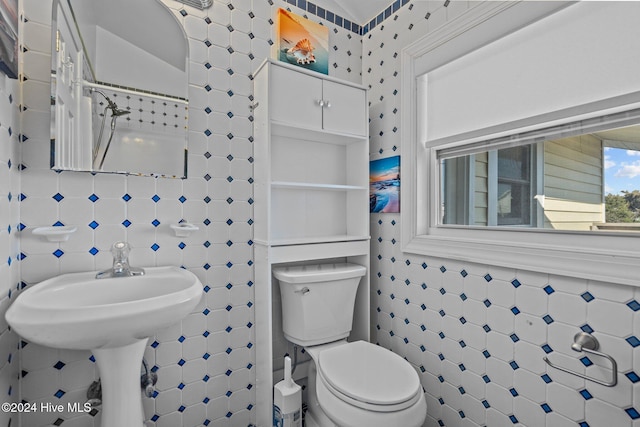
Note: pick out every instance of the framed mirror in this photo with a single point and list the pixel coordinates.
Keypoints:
(119, 88)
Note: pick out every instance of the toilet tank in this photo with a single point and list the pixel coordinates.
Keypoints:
(318, 301)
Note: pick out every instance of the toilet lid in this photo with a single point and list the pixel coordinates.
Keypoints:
(369, 373)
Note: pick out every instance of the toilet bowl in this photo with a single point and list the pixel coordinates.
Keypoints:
(350, 384)
(359, 384)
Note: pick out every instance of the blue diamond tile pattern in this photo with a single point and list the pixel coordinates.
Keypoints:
(633, 341)
(587, 296)
(632, 376)
(633, 413)
(634, 305)
(585, 393)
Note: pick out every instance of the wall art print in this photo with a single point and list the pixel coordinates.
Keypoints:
(302, 42)
(384, 185)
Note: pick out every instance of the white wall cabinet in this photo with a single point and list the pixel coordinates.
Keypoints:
(308, 101)
(311, 188)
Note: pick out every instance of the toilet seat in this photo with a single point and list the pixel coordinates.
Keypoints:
(369, 377)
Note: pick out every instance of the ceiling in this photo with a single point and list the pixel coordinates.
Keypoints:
(358, 11)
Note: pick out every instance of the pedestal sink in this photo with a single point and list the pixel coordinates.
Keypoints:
(112, 317)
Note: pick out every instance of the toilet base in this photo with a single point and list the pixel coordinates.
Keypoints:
(315, 416)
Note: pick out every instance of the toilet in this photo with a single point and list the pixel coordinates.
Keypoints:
(350, 384)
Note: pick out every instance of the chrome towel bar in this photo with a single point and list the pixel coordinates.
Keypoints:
(587, 343)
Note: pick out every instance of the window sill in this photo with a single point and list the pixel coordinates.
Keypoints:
(575, 260)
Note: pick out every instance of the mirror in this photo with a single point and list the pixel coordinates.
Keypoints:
(119, 88)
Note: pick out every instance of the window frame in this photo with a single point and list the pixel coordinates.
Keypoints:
(609, 257)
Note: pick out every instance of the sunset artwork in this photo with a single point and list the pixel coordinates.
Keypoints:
(384, 185)
(302, 42)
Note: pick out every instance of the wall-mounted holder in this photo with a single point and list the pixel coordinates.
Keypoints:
(184, 229)
(55, 234)
(584, 342)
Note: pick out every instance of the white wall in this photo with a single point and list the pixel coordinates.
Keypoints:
(441, 315)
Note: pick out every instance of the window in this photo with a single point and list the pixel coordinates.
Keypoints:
(495, 188)
(586, 182)
(507, 139)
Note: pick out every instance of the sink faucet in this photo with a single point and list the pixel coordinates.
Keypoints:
(121, 267)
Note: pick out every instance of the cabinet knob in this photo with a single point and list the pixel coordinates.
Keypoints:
(320, 102)
(327, 104)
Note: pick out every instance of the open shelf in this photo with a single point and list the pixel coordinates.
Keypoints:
(310, 240)
(314, 186)
(288, 130)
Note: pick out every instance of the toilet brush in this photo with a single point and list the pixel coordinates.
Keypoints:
(287, 400)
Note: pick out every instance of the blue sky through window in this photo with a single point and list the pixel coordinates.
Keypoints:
(622, 170)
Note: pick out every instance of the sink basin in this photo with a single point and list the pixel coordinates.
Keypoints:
(114, 318)
(78, 311)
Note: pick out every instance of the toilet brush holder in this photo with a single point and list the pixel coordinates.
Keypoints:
(287, 400)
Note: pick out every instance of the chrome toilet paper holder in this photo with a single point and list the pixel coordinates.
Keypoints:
(587, 343)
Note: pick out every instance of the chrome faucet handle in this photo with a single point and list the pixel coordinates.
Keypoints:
(120, 251)
(121, 267)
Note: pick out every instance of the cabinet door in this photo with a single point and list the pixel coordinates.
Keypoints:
(345, 109)
(294, 98)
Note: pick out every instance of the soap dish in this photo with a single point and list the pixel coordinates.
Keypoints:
(55, 234)
(184, 229)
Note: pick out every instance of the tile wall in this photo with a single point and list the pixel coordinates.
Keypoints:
(9, 242)
(477, 333)
(206, 363)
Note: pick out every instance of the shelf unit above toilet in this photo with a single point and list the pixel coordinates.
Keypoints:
(311, 160)
(311, 193)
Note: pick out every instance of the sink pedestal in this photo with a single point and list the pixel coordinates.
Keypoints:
(120, 376)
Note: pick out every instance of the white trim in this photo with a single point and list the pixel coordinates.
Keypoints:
(608, 257)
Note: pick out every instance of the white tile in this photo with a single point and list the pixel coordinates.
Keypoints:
(610, 318)
(500, 319)
(531, 300)
(556, 420)
(566, 401)
(529, 385)
(474, 385)
(474, 360)
(610, 291)
(499, 398)
(500, 372)
(475, 312)
(531, 329)
(528, 413)
(529, 356)
(601, 413)
(502, 293)
(474, 336)
(497, 419)
(568, 308)
(500, 346)
(571, 285)
(475, 287)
